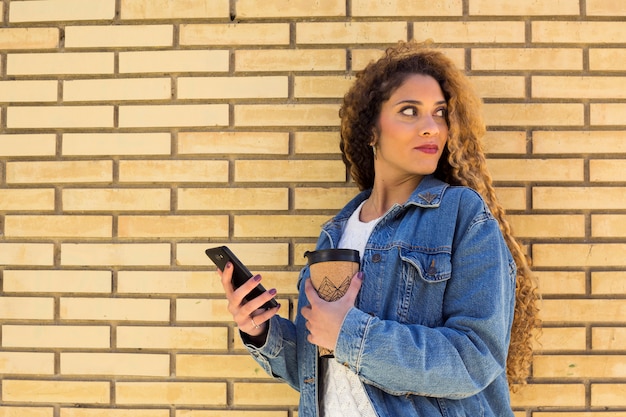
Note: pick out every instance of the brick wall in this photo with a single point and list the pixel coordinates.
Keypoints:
(136, 133)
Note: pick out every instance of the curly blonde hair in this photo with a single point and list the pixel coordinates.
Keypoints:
(462, 162)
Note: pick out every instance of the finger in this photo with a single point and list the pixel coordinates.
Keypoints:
(311, 293)
(354, 288)
(257, 303)
(226, 276)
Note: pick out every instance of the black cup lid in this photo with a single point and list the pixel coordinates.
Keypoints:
(326, 255)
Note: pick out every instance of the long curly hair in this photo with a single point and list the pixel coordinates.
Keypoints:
(462, 162)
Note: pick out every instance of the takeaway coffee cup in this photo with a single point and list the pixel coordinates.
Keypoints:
(331, 272)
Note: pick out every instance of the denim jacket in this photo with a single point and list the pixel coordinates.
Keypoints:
(430, 330)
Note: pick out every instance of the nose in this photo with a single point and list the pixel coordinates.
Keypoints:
(428, 126)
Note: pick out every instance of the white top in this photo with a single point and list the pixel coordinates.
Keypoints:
(342, 393)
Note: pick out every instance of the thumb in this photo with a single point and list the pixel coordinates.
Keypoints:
(355, 286)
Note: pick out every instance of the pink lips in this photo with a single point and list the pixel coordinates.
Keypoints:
(429, 149)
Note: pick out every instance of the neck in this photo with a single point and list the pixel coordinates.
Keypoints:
(385, 195)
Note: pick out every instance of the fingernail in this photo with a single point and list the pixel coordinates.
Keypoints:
(257, 278)
(273, 291)
(360, 275)
(228, 265)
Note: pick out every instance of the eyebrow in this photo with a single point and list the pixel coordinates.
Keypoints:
(419, 103)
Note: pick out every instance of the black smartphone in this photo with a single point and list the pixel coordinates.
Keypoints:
(220, 256)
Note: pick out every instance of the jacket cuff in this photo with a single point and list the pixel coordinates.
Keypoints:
(351, 340)
(273, 343)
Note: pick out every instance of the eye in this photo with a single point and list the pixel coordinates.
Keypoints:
(409, 111)
(441, 112)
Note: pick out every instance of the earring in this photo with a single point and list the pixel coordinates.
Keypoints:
(374, 150)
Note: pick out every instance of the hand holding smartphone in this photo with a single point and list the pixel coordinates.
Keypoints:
(220, 256)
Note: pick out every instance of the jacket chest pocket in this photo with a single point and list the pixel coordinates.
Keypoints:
(425, 276)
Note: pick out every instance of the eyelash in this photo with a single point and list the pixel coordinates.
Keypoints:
(443, 110)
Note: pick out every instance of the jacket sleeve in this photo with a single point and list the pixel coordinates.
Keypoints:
(278, 355)
(468, 351)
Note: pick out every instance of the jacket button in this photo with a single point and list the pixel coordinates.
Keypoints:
(376, 258)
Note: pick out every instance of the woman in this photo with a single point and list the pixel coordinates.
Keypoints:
(438, 321)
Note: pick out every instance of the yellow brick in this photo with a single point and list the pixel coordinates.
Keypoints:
(471, 32)
(176, 338)
(113, 412)
(117, 89)
(591, 142)
(28, 91)
(403, 8)
(61, 63)
(603, 114)
(527, 59)
(564, 338)
(279, 225)
(26, 308)
(218, 366)
(173, 226)
(536, 169)
(607, 59)
(608, 338)
(499, 87)
(233, 199)
(115, 254)
(563, 198)
(548, 226)
(605, 8)
(26, 411)
(512, 198)
(235, 34)
(578, 366)
(26, 254)
(322, 86)
(116, 144)
(608, 225)
(119, 199)
(608, 282)
(28, 38)
(26, 363)
(289, 171)
(361, 57)
(582, 311)
(60, 117)
(534, 114)
(158, 9)
(290, 60)
(503, 142)
(126, 364)
(28, 145)
(173, 61)
(54, 391)
(93, 308)
(60, 10)
(264, 394)
(171, 393)
(233, 142)
(579, 254)
(232, 87)
(174, 115)
(37, 281)
(577, 32)
(75, 337)
(250, 254)
(560, 282)
(350, 32)
(524, 8)
(316, 142)
(290, 8)
(14, 199)
(608, 395)
(578, 87)
(549, 395)
(166, 282)
(233, 413)
(59, 172)
(318, 198)
(208, 311)
(58, 226)
(118, 36)
(153, 171)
